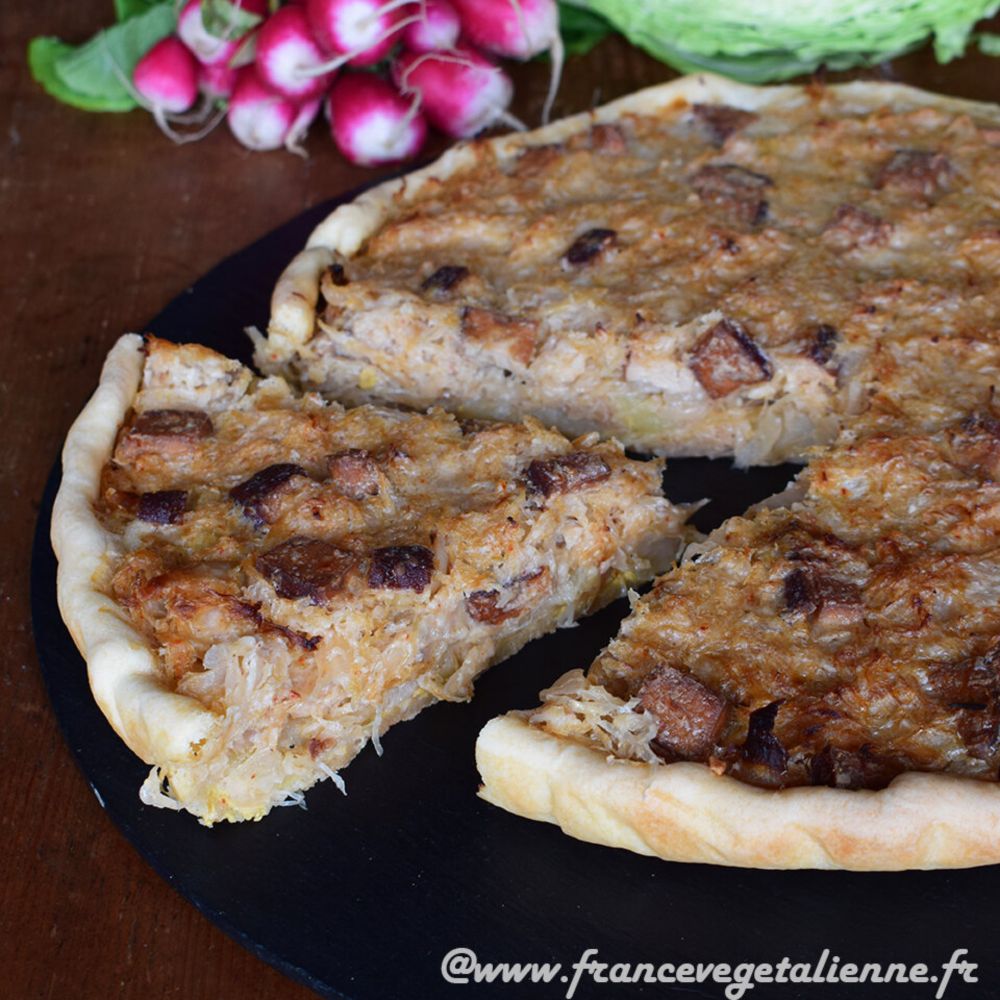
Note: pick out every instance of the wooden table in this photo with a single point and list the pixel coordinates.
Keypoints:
(103, 222)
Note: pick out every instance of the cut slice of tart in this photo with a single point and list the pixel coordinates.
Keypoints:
(261, 581)
(816, 685)
(701, 268)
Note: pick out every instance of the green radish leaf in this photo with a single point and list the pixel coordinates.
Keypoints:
(124, 9)
(44, 54)
(225, 19)
(95, 76)
(581, 29)
(245, 52)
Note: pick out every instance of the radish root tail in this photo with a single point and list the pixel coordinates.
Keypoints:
(557, 53)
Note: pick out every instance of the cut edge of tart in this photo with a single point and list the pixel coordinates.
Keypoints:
(257, 597)
(816, 685)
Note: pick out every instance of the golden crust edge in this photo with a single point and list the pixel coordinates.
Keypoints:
(293, 302)
(685, 812)
(157, 724)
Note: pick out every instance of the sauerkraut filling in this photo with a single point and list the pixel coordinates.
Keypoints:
(840, 640)
(312, 575)
(705, 279)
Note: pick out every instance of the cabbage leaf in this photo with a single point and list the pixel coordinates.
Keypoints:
(758, 40)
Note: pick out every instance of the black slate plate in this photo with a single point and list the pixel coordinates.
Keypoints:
(363, 896)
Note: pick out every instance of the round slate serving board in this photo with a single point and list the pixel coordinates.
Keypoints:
(363, 896)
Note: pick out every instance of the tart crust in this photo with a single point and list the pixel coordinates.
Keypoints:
(685, 812)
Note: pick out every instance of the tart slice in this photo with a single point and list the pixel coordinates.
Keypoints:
(262, 582)
(816, 685)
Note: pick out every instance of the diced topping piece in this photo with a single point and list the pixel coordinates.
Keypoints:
(977, 444)
(813, 591)
(972, 689)
(483, 606)
(726, 358)
(401, 567)
(511, 336)
(798, 591)
(822, 343)
(162, 507)
(852, 227)
(445, 278)
(564, 473)
(519, 593)
(981, 424)
(979, 727)
(306, 567)
(734, 189)
(861, 768)
(190, 424)
(256, 494)
(919, 173)
(353, 474)
(688, 714)
(720, 121)
(173, 434)
(588, 245)
(761, 746)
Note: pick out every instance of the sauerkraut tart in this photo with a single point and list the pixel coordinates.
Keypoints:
(701, 268)
(261, 582)
(816, 685)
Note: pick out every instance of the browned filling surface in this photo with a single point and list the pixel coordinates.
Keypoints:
(336, 532)
(844, 639)
(817, 230)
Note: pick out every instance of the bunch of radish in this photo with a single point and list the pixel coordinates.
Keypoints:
(381, 69)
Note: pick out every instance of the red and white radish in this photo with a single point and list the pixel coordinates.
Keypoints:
(207, 48)
(371, 123)
(216, 81)
(165, 82)
(460, 91)
(516, 29)
(434, 26)
(289, 60)
(166, 78)
(261, 119)
(359, 32)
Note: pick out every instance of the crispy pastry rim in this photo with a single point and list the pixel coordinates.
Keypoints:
(685, 812)
(157, 724)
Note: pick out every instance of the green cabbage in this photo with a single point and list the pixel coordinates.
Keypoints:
(761, 40)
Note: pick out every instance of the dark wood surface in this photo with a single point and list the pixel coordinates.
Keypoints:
(103, 221)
